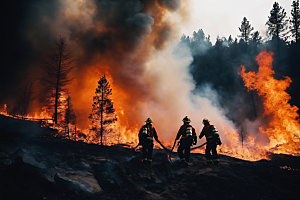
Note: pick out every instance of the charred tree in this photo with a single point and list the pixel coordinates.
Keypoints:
(245, 30)
(75, 130)
(103, 112)
(22, 105)
(277, 22)
(295, 21)
(55, 77)
(70, 117)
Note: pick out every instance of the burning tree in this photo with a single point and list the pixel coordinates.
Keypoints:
(56, 76)
(70, 117)
(103, 112)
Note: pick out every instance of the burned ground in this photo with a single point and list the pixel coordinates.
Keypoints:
(35, 165)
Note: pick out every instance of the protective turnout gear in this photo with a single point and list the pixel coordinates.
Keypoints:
(146, 135)
(213, 139)
(216, 136)
(187, 136)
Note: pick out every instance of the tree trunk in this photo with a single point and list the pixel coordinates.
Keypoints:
(101, 115)
(253, 105)
(57, 85)
(68, 128)
(297, 34)
(75, 132)
(242, 136)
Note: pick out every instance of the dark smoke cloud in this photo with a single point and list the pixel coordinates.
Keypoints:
(170, 4)
(116, 36)
(124, 26)
(23, 31)
(31, 30)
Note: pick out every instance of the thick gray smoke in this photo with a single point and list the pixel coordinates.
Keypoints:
(174, 95)
(105, 36)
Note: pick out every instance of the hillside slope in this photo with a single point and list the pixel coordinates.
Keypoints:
(34, 165)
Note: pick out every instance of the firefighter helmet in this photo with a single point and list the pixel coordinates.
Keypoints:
(148, 121)
(186, 119)
(205, 121)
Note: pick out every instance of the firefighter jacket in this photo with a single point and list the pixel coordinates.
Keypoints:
(185, 131)
(147, 132)
(211, 134)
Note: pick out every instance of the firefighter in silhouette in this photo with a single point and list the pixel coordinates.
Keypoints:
(146, 135)
(187, 136)
(213, 140)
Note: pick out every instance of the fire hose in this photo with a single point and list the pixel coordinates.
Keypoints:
(165, 148)
(170, 154)
(136, 146)
(198, 146)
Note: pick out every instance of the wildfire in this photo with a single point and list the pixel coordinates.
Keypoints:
(283, 130)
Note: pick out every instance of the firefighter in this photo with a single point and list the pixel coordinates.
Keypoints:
(146, 135)
(187, 136)
(213, 140)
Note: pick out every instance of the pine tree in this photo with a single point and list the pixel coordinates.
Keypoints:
(245, 30)
(277, 22)
(55, 77)
(254, 43)
(103, 112)
(256, 38)
(230, 40)
(70, 117)
(22, 105)
(295, 20)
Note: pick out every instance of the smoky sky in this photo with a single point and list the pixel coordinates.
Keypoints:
(124, 26)
(19, 53)
(30, 31)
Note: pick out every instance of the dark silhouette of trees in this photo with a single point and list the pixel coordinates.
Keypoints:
(199, 43)
(103, 112)
(245, 30)
(22, 105)
(230, 40)
(55, 77)
(295, 20)
(70, 117)
(277, 22)
(256, 38)
(255, 42)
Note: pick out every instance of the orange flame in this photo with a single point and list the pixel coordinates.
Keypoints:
(283, 130)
